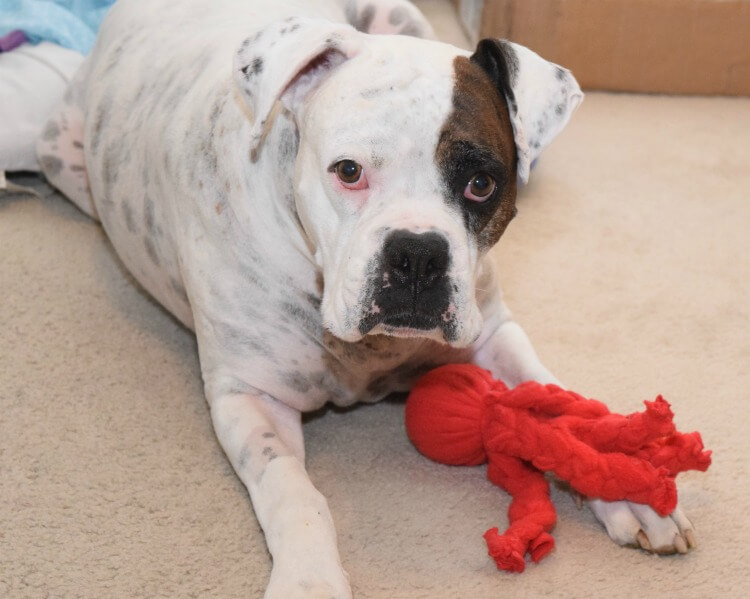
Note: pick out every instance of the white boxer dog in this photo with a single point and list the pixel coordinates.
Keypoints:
(316, 203)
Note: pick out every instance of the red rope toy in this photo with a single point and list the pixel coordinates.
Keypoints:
(458, 414)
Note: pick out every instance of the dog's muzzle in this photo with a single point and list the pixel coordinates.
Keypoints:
(410, 288)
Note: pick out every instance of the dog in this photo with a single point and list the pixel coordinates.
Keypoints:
(312, 188)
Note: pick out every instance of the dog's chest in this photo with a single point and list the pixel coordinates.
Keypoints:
(273, 340)
(370, 369)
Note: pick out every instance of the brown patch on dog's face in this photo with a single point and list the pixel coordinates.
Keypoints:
(478, 138)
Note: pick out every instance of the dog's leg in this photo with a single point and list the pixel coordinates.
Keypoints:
(263, 439)
(397, 17)
(507, 352)
(509, 355)
(60, 147)
(637, 525)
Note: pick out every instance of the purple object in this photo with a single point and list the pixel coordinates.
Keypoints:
(12, 40)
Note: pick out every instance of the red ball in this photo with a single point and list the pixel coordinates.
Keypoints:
(444, 414)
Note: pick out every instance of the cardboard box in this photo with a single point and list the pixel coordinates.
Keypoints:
(665, 46)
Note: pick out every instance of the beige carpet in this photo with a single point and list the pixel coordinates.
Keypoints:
(629, 266)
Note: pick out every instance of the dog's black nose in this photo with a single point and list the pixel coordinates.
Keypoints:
(415, 261)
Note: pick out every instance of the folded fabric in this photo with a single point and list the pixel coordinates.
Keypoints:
(69, 23)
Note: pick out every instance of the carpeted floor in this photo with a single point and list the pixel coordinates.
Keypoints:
(629, 266)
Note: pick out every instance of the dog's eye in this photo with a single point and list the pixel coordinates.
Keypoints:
(350, 174)
(480, 187)
(348, 171)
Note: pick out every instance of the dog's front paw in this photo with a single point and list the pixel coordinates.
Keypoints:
(293, 583)
(637, 525)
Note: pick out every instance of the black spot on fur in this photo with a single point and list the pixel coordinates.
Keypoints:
(77, 168)
(252, 39)
(313, 300)
(51, 165)
(111, 162)
(254, 68)
(541, 126)
(372, 92)
(145, 177)
(244, 456)
(288, 145)
(308, 319)
(139, 94)
(412, 29)
(364, 21)
(51, 131)
(398, 15)
(176, 96)
(100, 120)
(78, 144)
(294, 380)
(240, 341)
(208, 154)
(148, 215)
(213, 118)
(268, 435)
(127, 213)
(115, 54)
(260, 345)
(179, 289)
(350, 10)
(151, 250)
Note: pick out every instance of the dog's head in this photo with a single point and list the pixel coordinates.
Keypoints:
(408, 159)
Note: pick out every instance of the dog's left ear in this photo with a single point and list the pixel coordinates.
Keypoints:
(541, 95)
(286, 60)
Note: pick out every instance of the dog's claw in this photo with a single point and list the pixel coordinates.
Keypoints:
(643, 541)
(692, 543)
(680, 544)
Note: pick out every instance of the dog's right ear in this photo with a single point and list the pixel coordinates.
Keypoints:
(286, 61)
(541, 95)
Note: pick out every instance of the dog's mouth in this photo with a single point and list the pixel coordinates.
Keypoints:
(416, 323)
